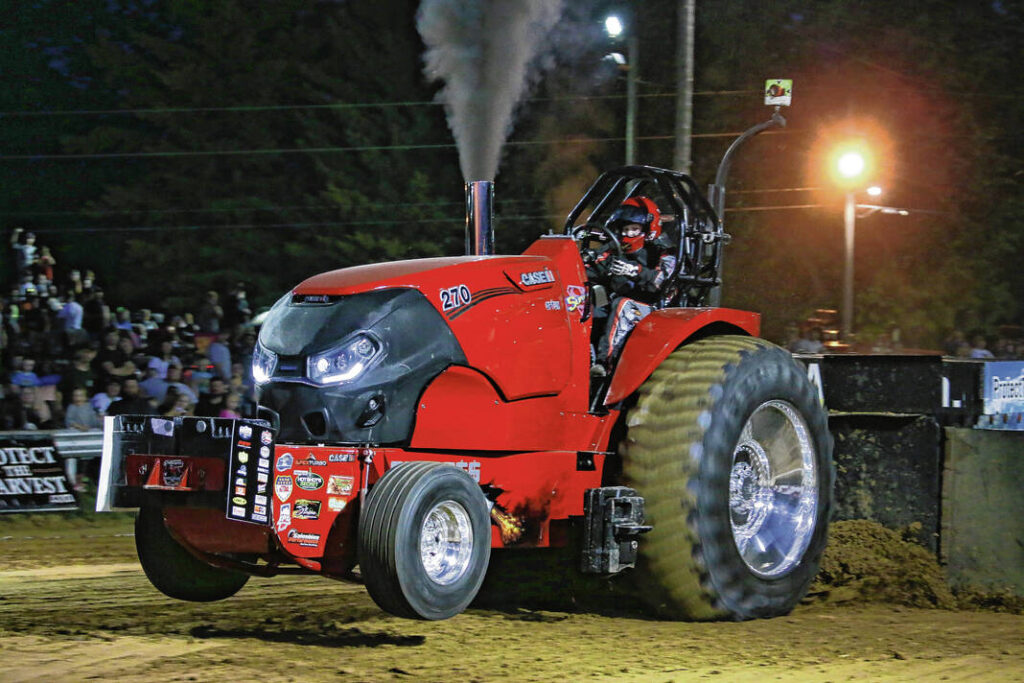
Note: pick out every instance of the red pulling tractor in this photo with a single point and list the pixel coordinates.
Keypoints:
(415, 415)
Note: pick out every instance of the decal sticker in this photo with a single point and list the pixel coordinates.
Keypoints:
(575, 297)
(307, 509)
(471, 468)
(245, 444)
(259, 518)
(245, 432)
(453, 297)
(341, 457)
(237, 511)
(264, 451)
(243, 456)
(553, 305)
(284, 517)
(284, 462)
(262, 487)
(311, 461)
(242, 471)
(308, 481)
(239, 481)
(260, 500)
(336, 504)
(308, 540)
(266, 437)
(261, 477)
(537, 277)
(340, 485)
(239, 490)
(238, 500)
(264, 463)
(283, 487)
(172, 471)
(259, 509)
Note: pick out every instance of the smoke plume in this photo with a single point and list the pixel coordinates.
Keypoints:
(482, 49)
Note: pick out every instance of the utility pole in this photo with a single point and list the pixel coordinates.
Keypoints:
(632, 76)
(684, 85)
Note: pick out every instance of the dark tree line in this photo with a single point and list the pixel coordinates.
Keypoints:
(937, 77)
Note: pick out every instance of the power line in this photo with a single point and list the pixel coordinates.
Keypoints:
(337, 150)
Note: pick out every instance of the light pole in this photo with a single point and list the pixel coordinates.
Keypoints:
(851, 167)
(614, 27)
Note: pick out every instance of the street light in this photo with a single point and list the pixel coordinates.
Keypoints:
(851, 167)
(614, 26)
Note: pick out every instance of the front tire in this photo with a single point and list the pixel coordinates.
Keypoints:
(729, 445)
(424, 540)
(173, 570)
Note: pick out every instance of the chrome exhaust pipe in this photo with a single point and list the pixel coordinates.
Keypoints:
(480, 218)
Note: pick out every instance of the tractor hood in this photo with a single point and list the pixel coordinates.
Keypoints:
(347, 353)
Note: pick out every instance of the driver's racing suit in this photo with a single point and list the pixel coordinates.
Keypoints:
(633, 280)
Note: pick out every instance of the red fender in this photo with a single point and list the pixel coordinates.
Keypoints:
(662, 332)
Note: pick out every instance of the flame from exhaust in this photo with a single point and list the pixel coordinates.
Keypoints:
(481, 49)
(510, 528)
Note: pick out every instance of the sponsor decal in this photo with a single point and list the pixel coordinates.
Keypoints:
(172, 471)
(260, 500)
(306, 509)
(242, 471)
(453, 297)
(238, 500)
(283, 487)
(266, 437)
(308, 481)
(336, 504)
(259, 518)
(262, 487)
(239, 490)
(219, 432)
(553, 305)
(261, 477)
(575, 297)
(304, 539)
(340, 485)
(284, 462)
(341, 457)
(259, 509)
(311, 461)
(239, 481)
(537, 277)
(264, 451)
(472, 468)
(237, 511)
(244, 432)
(264, 463)
(245, 444)
(284, 517)
(243, 456)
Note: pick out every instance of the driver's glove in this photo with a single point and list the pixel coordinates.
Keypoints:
(624, 268)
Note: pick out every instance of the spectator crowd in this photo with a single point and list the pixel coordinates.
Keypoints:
(69, 358)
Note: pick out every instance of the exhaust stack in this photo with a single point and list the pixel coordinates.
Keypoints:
(480, 218)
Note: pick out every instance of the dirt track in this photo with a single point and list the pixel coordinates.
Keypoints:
(85, 610)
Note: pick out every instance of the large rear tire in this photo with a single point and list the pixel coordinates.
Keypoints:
(173, 570)
(424, 540)
(729, 445)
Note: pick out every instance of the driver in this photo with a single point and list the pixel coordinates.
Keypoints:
(635, 277)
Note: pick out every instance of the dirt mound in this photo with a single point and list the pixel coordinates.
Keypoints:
(866, 562)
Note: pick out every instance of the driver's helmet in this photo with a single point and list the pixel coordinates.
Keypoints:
(637, 219)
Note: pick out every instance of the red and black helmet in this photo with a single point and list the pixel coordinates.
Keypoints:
(639, 211)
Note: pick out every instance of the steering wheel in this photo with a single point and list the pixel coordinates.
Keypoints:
(581, 232)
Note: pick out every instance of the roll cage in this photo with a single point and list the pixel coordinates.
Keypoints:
(688, 220)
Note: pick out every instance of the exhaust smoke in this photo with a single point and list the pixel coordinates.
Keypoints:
(481, 49)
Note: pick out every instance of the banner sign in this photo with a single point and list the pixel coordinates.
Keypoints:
(1003, 395)
(32, 476)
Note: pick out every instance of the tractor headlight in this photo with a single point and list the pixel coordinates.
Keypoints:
(345, 362)
(264, 363)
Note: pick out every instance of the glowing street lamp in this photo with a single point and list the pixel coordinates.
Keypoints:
(615, 28)
(850, 169)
